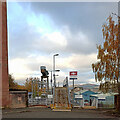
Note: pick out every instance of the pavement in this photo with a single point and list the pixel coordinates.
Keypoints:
(38, 112)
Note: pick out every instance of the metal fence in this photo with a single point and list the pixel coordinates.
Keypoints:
(77, 102)
(107, 103)
(41, 101)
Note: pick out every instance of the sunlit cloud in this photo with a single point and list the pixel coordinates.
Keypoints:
(56, 38)
(30, 66)
(19, 68)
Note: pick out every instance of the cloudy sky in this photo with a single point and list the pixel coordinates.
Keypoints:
(38, 30)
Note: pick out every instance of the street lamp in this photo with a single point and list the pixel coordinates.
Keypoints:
(52, 79)
(51, 82)
(54, 69)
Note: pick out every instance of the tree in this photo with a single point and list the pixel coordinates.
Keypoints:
(31, 85)
(21, 87)
(28, 84)
(106, 68)
(12, 83)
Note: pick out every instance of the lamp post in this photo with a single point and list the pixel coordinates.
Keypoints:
(51, 82)
(52, 79)
(54, 69)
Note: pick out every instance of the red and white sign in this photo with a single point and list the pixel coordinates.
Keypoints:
(73, 73)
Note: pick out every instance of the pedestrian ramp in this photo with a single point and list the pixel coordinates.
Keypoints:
(61, 99)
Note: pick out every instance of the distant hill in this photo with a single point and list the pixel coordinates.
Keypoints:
(92, 87)
(89, 86)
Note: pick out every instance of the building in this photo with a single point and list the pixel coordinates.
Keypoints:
(18, 98)
(86, 95)
(81, 98)
(104, 100)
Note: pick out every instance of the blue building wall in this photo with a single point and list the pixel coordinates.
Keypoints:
(86, 95)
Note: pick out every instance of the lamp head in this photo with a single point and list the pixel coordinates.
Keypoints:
(56, 54)
(57, 70)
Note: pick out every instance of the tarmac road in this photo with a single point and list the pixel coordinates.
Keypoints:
(47, 113)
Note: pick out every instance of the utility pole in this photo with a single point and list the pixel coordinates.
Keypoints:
(54, 69)
(54, 76)
(38, 85)
(73, 83)
(51, 82)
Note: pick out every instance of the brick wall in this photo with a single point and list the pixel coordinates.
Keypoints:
(18, 99)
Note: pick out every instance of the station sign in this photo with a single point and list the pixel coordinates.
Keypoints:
(73, 75)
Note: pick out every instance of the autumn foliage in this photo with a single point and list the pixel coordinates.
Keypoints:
(13, 84)
(106, 68)
(32, 85)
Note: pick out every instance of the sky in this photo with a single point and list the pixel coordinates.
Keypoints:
(38, 30)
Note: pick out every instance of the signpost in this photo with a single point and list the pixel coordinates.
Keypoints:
(73, 76)
(78, 96)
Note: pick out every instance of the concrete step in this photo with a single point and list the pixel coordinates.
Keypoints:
(62, 110)
(89, 107)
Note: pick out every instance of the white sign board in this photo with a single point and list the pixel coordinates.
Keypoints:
(50, 96)
(78, 96)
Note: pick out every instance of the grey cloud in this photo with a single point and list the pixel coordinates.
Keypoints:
(87, 17)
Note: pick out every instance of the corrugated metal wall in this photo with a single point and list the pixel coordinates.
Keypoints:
(107, 103)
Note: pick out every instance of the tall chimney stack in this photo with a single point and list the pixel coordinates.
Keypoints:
(4, 81)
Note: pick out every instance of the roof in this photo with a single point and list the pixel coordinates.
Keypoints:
(18, 90)
(100, 96)
(80, 92)
(103, 96)
(83, 91)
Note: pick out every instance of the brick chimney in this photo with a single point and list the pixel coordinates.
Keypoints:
(4, 82)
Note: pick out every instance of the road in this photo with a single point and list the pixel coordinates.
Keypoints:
(47, 113)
